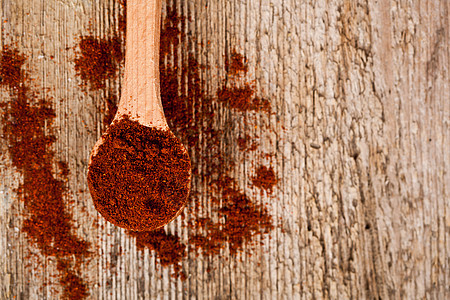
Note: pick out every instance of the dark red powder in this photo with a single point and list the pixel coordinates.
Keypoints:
(27, 127)
(234, 219)
(73, 287)
(139, 178)
(190, 113)
(11, 67)
(246, 143)
(98, 60)
(63, 169)
(172, 29)
(168, 248)
(243, 220)
(242, 98)
(265, 178)
(236, 64)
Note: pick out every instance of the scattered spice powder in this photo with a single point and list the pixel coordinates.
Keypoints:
(73, 286)
(243, 220)
(27, 125)
(168, 248)
(246, 143)
(236, 64)
(11, 68)
(238, 220)
(265, 178)
(63, 169)
(98, 60)
(242, 98)
(139, 177)
(235, 220)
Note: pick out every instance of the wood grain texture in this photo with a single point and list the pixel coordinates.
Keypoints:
(361, 137)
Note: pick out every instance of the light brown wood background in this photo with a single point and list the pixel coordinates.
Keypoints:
(361, 134)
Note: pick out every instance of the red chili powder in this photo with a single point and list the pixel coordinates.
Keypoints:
(236, 64)
(139, 178)
(246, 143)
(73, 285)
(63, 169)
(243, 220)
(98, 60)
(265, 178)
(240, 219)
(242, 98)
(191, 116)
(27, 127)
(168, 248)
(11, 68)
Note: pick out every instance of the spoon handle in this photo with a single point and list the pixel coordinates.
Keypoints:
(140, 98)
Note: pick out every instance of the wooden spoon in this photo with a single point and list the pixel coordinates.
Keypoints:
(140, 99)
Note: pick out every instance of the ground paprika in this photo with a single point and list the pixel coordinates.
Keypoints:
(234, 219)
(139, 177)
(27, 127)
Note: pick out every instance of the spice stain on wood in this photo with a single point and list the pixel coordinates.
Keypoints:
(98, 60)
(265, 178)
(208, 236)
(26, 126)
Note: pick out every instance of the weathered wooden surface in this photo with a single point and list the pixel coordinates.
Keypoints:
(362, 146)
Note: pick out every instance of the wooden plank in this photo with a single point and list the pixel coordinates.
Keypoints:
(360, 139)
